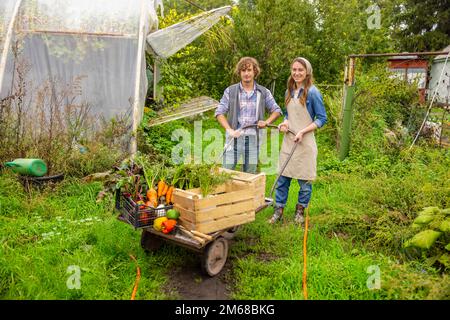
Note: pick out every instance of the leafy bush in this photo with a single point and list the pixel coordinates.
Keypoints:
(432, 235)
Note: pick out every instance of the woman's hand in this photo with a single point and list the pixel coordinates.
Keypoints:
(299, 136)
(284, 126)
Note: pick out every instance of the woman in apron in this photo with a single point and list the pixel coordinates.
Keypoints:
(305, 113)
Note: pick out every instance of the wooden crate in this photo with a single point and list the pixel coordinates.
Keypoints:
(257, 181)
(230, 204)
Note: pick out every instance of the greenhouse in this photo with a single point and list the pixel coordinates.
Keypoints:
(89, 54)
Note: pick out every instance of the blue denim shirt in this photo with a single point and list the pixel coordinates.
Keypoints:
(314, 105)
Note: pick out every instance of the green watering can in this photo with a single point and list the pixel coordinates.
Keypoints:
(28, 167)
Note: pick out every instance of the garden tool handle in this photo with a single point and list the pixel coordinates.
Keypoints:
(202, 235)
(284, 164)
(231, 139)
(190, 234)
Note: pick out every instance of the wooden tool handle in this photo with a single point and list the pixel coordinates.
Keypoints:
(190, 234)
(202, 235)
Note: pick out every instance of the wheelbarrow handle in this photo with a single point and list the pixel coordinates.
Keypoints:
(287, 160)
(284, 164)
(230, 139)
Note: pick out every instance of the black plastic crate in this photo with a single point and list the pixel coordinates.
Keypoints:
(138, 215)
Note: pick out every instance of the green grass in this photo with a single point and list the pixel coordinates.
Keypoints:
(360, 214)
(337, 263)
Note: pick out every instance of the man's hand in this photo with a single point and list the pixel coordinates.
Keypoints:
(262, 124)
(234, 133)
(284, 126)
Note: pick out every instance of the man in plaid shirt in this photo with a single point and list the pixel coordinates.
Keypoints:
(245, 103)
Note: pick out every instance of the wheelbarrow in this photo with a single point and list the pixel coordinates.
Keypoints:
(213, 247)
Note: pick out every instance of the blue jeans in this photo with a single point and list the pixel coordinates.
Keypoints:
(246, 146)
(282, 191)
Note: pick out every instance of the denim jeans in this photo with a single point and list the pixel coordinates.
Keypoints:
(248, 148)
(282, 191)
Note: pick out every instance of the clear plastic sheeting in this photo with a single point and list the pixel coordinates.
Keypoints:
(6, 14)
(77, 53)
(84, 55)
(167, 41)
(120, 18)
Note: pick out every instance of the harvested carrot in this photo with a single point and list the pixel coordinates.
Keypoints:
(161, 185)
(165, 189)
(169, 195)
(176, 177)
(152, 196)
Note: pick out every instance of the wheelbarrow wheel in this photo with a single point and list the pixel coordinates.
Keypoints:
(215, 256)
(149, 241)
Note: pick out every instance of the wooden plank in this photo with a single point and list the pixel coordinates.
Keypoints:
(187, 224)
(186, 193)
(188, 199)
(217, 212)
(185, 213)
(182, 201)
(177, 238)
(245, 176)
(259, 201)
(221, 199)
(216, 225)
(219, 189)
(249, 179)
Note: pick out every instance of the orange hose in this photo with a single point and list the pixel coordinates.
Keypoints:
(305, 237)
(138, 277)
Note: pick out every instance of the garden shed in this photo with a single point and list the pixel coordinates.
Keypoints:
(411, 68)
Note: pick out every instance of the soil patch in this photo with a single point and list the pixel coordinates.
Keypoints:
(189, 283)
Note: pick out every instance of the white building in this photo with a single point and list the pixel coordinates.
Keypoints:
(443, 87)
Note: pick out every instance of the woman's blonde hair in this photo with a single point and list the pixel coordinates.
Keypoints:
(244, 63)
(307, 83)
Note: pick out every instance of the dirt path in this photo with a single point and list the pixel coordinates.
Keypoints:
(189, 283)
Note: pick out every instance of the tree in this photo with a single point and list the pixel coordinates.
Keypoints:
(274, 32)
(422, 25)
(349, 27)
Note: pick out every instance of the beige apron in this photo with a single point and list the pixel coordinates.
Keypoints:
(303, 162)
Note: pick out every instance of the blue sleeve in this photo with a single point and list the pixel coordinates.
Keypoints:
(318, 108)
(271, 104)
